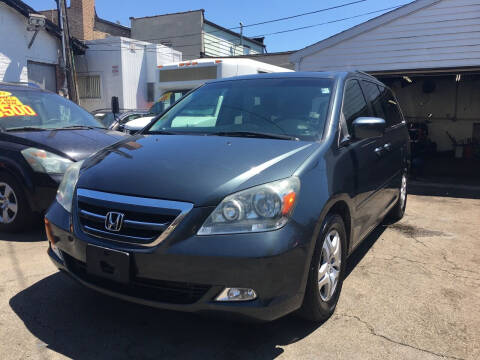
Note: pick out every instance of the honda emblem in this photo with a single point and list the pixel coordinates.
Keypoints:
(114, 221)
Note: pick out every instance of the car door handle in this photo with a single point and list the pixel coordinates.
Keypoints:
(379, 150)
(388, 147)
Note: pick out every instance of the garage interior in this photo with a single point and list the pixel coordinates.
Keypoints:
(442, 109)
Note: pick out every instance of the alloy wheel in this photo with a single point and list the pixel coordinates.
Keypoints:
(330, 265)
(8, 204)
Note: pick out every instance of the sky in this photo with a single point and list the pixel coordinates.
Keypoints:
(229, 13)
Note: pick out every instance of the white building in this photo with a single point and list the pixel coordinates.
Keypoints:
(122, 67)
(428, 51)
(18, 61)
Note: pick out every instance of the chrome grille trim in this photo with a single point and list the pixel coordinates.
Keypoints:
(126, 223)
(107, 235)
(183, 207)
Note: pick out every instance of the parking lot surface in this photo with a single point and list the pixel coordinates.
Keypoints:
(412, 292)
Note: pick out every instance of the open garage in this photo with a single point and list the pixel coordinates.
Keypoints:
(428, 52)
(443, 113)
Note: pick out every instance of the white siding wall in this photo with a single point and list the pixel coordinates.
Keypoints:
(98, 60)
(221, 43)
(136, 62)
(134, 74)
(14, 40)
(445, 34)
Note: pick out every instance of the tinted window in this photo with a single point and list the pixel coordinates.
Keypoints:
(390, 107)
(26, 108)
(354, 104)
(294, 107)
(374, 98)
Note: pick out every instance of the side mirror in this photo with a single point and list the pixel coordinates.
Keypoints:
(368, 127)
(115, 105)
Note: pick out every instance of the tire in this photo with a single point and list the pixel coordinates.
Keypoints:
(319, 303)
(398, 211)
(15, 213)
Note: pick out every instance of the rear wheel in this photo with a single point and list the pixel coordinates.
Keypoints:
(398, 211)
(15, 214)
(327, 271)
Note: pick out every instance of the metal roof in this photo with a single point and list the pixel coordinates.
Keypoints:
(363, 27)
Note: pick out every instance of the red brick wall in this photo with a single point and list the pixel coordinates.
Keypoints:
(83, 23)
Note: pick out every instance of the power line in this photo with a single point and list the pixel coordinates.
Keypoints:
(263, 22)
(268, 34)
(329, 22)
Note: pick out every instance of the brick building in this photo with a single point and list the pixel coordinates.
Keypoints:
(85, 23)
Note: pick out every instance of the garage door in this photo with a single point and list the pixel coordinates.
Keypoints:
(43, 75)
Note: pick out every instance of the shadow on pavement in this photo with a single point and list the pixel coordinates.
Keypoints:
(33, 234)
(449, 189)
(364, 247)
(82, 324)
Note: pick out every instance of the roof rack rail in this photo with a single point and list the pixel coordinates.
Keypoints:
(22, 83)
(362, 72)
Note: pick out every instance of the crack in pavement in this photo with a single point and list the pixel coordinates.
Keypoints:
(429, 266)
(373, 332)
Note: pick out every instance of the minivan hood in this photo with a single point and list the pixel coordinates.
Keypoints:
(75, 144)
(196, 169)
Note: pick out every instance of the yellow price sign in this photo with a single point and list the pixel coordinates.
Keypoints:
(12, 106)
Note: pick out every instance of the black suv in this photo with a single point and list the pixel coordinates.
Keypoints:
(246, 197)
(41, 134)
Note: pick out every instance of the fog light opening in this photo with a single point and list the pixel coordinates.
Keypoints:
(236, 294)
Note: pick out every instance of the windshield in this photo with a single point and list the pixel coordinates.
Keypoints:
(167, 99)
(20, 109)
(287, 107)
(106, 119)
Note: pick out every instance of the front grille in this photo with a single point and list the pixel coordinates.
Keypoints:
(171, 292)
(145, 221)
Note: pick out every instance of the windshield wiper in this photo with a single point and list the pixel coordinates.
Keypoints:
(79, 127)
(254, 135)
(162, 132)
(27, 128)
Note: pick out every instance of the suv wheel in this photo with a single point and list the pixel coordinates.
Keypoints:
(326, 272)
(15, 213)
(396, 214)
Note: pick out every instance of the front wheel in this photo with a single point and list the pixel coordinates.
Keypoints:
(327, 271)
(15, 214)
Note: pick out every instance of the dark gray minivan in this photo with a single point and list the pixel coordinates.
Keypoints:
(246, 197)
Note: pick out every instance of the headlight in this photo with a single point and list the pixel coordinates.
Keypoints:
(261, 208)
(45, 162)
(67, 186)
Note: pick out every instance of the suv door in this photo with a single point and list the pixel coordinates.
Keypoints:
(361, 164)
(396, 142)
(381, 166)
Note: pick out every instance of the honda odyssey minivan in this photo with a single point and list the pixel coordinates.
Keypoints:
(245, 198)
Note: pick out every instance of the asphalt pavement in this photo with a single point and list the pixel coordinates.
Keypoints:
(412, 292)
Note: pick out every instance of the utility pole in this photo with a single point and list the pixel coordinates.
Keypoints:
(241, 33)
(63, 64)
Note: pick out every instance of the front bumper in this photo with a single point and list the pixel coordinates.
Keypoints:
(187, 274)
(43, 192)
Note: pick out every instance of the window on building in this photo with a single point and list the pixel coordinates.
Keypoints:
(246, 50)
(354, 103)
(89, 87)
(150, 92)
